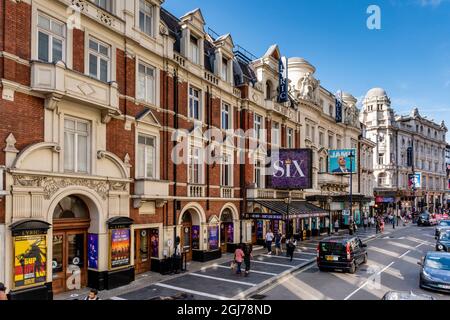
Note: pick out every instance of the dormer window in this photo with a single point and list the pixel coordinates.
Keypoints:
(224, 73)
(104, 4)
(195, 51)
(146, 17)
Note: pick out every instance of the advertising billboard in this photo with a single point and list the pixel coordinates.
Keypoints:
(93, 251)
(213, 238)
(339, 161)
(120, 248)
(30, 260)
(415, 180)
(291, 169)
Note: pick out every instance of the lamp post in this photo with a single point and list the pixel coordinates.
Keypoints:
(351, 156)
(288, 229)
(330, 217)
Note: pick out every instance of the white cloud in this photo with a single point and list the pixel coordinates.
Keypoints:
(432, 3)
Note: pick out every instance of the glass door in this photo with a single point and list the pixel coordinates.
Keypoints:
(76, 260)
(58, 263)
(142, 250)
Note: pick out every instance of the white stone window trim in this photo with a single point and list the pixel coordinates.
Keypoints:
(2, 176)
(157, 76)
(155, 18)
(99, 57)
(229, 154)
(195, 144)
(292, 135)
(230, 115)
(147, 130)
(278, 135)
(200, 99)
(36, 10)
(259, 136)
(88, 35)
(90, 143)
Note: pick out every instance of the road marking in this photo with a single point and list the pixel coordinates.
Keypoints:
(308, 253)
(199, 293)
(420, 244)
(222, 279)
(116, 298)
(283, 257)
(252, 271)
(404, 254)
(274, 264)
(367, 281)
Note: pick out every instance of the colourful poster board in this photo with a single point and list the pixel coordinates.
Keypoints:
(120, 248)
(195, 237)
(213, 238)
(30, 260)
(154, 242)
(93, 251)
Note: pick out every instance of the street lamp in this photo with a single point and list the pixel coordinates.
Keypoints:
(287, 201)
(331, 218)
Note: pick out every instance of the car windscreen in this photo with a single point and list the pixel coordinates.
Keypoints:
(444, 223)
(438, 262)
(332, 247)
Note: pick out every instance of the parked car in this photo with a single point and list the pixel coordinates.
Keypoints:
(443, 242)
(443, 224)
(426, 219)
(344, 253)
(404, 295)
(435, 271)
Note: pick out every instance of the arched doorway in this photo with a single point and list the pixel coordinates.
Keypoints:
(71, 221)
(226, 229)
(190, 233)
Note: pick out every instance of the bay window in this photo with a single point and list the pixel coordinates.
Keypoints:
(51, 39)
(76, 145)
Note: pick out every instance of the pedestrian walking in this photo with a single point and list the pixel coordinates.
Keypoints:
(365, 222)
(336, 226)
(278, 248)
(269, 239)
(239, 257)
(93, 295)
(382, 226)
(247, 258)
(3, 295)
(290, 248)
(393, 222)
(377, 226)
(372, 221)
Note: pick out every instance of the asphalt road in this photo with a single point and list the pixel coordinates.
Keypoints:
(392, 265)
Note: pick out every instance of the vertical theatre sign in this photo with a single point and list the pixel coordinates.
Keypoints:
(119, 242)
(339, 107)
(30, 253)
(283, 80)
(291, 169)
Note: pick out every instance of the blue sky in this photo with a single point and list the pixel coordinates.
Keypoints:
(409, 56)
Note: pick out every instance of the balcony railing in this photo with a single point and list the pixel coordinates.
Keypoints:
(211, 78)
(179, 59)
(272, 194)
(197, 190)
(226, 192)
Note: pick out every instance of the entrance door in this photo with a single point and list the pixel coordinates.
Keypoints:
(69, 261)
(142, 251)
(186, 240)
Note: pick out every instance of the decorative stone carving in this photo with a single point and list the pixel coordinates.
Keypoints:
(307, 87)
(163, 30)
(119, 186)
(27, 181)
(79, 4)
(11, 144)
(106, 19)
(126, 161)
(51, 185)
(101, 154)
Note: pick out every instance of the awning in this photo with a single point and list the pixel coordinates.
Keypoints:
(297, 209)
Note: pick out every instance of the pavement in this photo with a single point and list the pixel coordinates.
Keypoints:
(392, 266)
(214, 280)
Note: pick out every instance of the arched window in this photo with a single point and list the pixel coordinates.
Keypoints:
(268, 90)
(71, 207)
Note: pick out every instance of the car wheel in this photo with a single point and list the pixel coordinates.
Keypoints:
(322, 269)
(365, 259)
(440, 247)
(353, 268)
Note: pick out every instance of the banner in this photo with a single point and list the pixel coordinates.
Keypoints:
(120, 247)
(213, 238)
(230, 233)
(154, 242)
(195, 237)
(30, 260)
(93, 251)
(415, 180)
(339, 161)
(291, 169)
(283, 80)
(338, 111)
